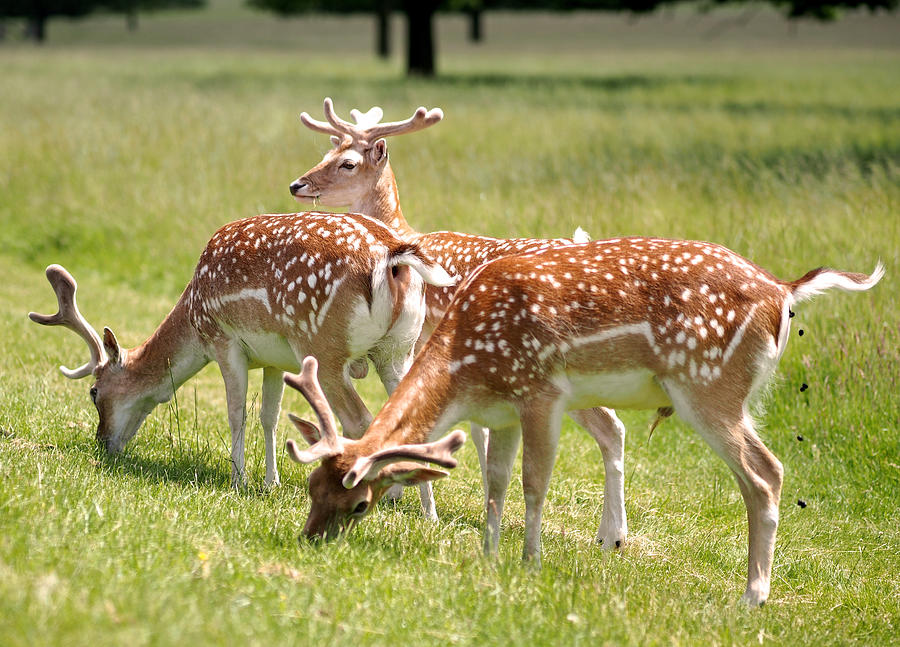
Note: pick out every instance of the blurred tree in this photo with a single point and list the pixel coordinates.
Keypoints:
(419, 23)
(131, 8)
(37, 12)
(819, 9)
(420, 59)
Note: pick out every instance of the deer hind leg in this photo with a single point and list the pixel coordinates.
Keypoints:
(233, 365)
(272, 390)
(541, 423)
(759, 475)
(480, 436)
(605, 427)
(502, 445)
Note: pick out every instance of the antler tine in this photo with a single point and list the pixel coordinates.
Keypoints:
(319, 126)
(327, 128)
(421, 119)
(364, 119)
(69, 317)
(343, 127)
(439, 452)
(307, 383)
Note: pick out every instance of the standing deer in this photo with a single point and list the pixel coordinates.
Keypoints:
(267, 291)
(637, 323)
(356, 173)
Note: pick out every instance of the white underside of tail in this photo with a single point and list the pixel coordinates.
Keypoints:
(581, 236)
(832, 279)
(433, 274)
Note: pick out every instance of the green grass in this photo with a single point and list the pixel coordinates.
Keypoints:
(120, 155)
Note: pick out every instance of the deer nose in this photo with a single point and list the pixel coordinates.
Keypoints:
(297, 186)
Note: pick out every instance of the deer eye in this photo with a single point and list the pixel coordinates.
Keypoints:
(348, 165)
(360, 508)
(93, 393)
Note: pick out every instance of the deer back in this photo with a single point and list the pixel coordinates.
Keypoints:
(671, 308)
(460, 254)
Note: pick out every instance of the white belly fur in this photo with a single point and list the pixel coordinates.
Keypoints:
(269, 349)
(634, 389)
(499, 415)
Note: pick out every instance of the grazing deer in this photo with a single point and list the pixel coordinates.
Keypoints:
(267, 291)
(356, 173)
(637, 323)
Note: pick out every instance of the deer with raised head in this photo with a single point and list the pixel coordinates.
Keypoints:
(267, 291)
(638, 323)
(357, 174)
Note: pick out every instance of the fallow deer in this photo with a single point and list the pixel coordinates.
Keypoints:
(266, 292)
(633, 322)
(357, 174)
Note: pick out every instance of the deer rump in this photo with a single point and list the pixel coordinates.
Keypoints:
(356, 302)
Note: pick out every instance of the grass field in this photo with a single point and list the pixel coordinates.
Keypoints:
(121, 153)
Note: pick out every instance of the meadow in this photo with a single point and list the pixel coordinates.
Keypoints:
(120, 154)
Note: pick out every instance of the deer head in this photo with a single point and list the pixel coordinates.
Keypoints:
(359, 160)
(352, 477)
(121, 401)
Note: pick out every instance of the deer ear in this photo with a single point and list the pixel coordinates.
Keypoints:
(336, 141)
(378, 152)
(113, 351)
(408, 473)
(308, 430)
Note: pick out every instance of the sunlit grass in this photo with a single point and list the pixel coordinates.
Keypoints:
(120, 163)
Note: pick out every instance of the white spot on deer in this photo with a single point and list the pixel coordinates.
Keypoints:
(686, 294)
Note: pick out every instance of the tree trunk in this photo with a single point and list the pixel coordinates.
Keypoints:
(475, 25)
(131, 18)
(383, 28)
(36, 28)
(420, 37)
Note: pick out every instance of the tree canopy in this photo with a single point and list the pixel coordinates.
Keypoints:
(37, 12)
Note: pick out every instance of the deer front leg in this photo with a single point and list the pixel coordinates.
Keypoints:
(272, 390)
(233, 365)
(605, 427)
(343, 398)
(540, 436)
(501, 453)
(391, 369)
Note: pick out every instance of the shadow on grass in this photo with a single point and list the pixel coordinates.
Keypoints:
(608, 83)
(198, 470)
(543, 88)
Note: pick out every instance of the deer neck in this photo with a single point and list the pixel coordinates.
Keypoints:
(169, 357)
(383, 203)
(421, 406)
